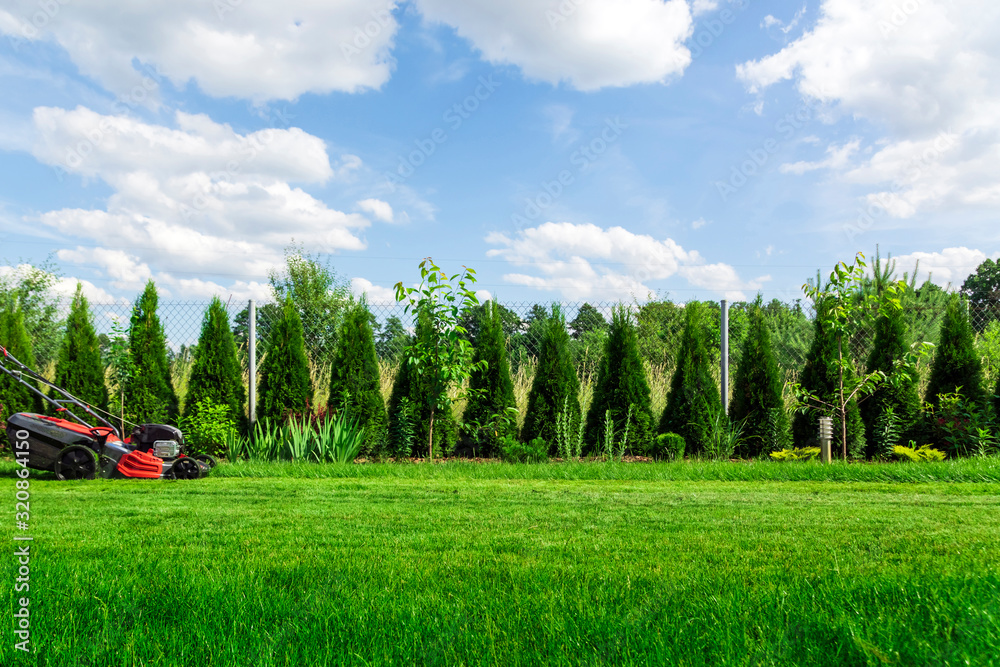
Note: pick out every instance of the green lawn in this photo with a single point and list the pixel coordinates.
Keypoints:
(463, 564)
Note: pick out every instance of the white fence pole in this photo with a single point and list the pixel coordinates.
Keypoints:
(252, 343)
(724, 356)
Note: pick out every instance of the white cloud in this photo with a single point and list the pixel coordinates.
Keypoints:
(256, 50)
(590, 44)
(950, 266)
(699, 7)
(699, 223)
(928, 72)
(377, 208)
(375, 293)
(837, 158)
(200, 199)
(65, 288)
(772, 22)
(586, 261)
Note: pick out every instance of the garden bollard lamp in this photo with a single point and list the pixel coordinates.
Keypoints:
(825, 436)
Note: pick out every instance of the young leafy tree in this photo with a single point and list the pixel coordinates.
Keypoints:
(216, 373)
(354, 377)
(983, 291)
(491, 390)
(587, 319)
(29, 288)
(391, 340)
(14, 396)
(621, 386)
(150, 396)
(757, 391)
(693, 402)
(284, 385)
(956, 366)
(555, 387)
(442, 355)
(79, 369)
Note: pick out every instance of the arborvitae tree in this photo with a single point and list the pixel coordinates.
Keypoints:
(150, 394)
(889, 346)
(408, 384)
(956, 365)
(79, 369)
(354, 378)
(216, 373)
(693, 403)
(757, 392)
(820, 378)
(284, 385)
(491, 390)
(14, 396)
(621, 385)
(555, 386)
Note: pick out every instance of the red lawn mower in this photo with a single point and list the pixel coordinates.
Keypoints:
(73, 449)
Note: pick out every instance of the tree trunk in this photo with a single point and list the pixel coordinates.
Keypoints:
(430, 438)
(843, 403)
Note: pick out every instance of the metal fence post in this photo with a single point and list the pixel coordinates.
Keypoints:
(252, 343)
(724, 355)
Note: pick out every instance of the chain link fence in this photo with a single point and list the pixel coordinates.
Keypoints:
(660, 326)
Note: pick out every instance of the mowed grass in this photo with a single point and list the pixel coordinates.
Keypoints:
(514, 565)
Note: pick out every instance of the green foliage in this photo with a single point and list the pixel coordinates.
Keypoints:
(757, 392)
(216, 376)
(30, 288)
(954, 424)
(569, 432)
(886, 432)
(621, 386)
(983, 291)
(587, 319)
(209, 428)
(693, 400)
(491, 391)
(391, 340)
(514, 451)
(724, 437)
(796, 454)
(284, 384)
(149, 392)
(79, 369)
(354, 378)
(659, 326)
(917, 454)
(956, 367)
(334, 438)
(667, 447)
(14, 396)
(555, 387)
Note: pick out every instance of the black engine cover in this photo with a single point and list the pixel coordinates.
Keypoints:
(145, 435)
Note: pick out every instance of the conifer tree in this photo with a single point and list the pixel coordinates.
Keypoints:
(693, 403)
(284, 384)
(555, 387)
(491, 390)
(14, 396)
(889, 346)
(621, 387)
(150, 396)
(820, 377)
(956, 365)
(354, 377)
(79, 369)
(216, 374)
(757, 392)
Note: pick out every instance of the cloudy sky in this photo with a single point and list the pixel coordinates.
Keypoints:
(568, 150)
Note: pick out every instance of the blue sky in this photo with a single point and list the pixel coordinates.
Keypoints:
(574, 150)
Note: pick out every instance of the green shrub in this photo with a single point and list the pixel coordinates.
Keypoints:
(957, 367)
(890, 413)
(149, 392)
(208, 428)
(724, 437)
(355, 384)
(954, 423)
(915, 454)
(14, 396)
(693, 400)
(569, 440)
(667, 447)
(491, 390)
(216, 375)
(757, 392)
(555, 387)
(285, 386)
(796, 454)
(79, 369)
(621, 393)
(515, 451)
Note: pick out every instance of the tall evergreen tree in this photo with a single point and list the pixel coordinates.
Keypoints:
(757, 391)
(150, 394)
(555, 386)
(216, 374)
(491, 390)
(621, 386)
(354, 377)
(890, 345)
(14, 396)
(956, 365)
(820, 377)
(284, 385)
(79, 369)
(693, 402)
